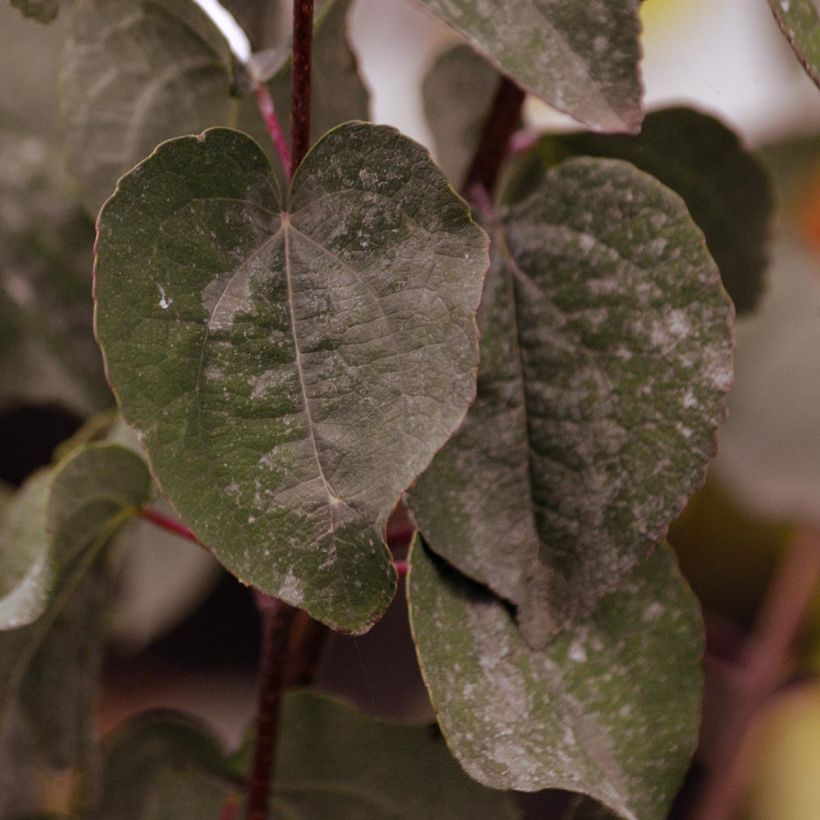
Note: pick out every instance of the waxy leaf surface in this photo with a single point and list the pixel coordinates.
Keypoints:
(42, 10)
(726, 189)
(90, 495)
(606, 354)
(799, 20)
(291, 366)
(581, 58)
(458, 93)
(609, 709)
(137, 72)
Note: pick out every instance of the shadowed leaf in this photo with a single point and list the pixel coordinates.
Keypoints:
(42, 10)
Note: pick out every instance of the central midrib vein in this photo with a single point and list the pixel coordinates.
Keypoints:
(331, 495)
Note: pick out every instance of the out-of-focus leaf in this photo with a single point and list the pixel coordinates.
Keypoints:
(799, 20)
(610, 708)
(458, 94)
(307, 361)
(261, 20)
(605, 358)
(581, 58)
(163, 766)
(42, 10)
(335, 762)
(48, 668)
(47, 351)
(24, 546)
(725, 187)
(137, 72)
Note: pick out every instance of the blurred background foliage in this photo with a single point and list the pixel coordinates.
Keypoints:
(183, 634)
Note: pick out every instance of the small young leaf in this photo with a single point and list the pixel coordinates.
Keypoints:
(138, 72)
(458, 94)
(159, 761)
(799, 20)
(606, 355)
(299, 363)
(725, 187)
(91, 493)
(581, 58)
(42, 10)
(335, 762)
(609, 709)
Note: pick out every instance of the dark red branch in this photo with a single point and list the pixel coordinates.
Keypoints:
(300, 80)
(277, 621)
(498, 128)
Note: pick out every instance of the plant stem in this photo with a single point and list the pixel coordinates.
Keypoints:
(268, 112)
(764, 663)
(300, 80)
(166, 523)
(307, 642)
(495, 136)
(277, 620)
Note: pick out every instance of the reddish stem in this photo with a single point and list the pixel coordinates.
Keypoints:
(300, 79)
(498, 128)
(764, 663)
(277, 620)
(277, 136)
(166, 523)
(401, 568)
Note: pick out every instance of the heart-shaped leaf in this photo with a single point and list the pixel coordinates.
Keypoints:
(610, 708)
(799, 20)
(137, 72)
(299, 362)
(606, 355)
(581, 58)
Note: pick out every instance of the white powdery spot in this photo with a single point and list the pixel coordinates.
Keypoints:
(164, 301)
(689, 400)
(577, 652)
(652, 612)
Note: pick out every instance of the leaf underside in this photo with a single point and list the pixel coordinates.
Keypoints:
(581, 58)
(606, 354)
(609, 709)
(296, 368)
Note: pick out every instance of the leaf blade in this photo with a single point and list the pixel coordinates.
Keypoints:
(375, 260)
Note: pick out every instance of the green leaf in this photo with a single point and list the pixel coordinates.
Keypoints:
(262, 20)
(47, 353)
(581, 58)
(24, 570)
(42, 10)
(799, 20)
(606, 355)
(335, 762)
(305, 361)
(163, 766)
(458, 94)
(137, 72)
(609, 709)
(725, 187)
(91, 494)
